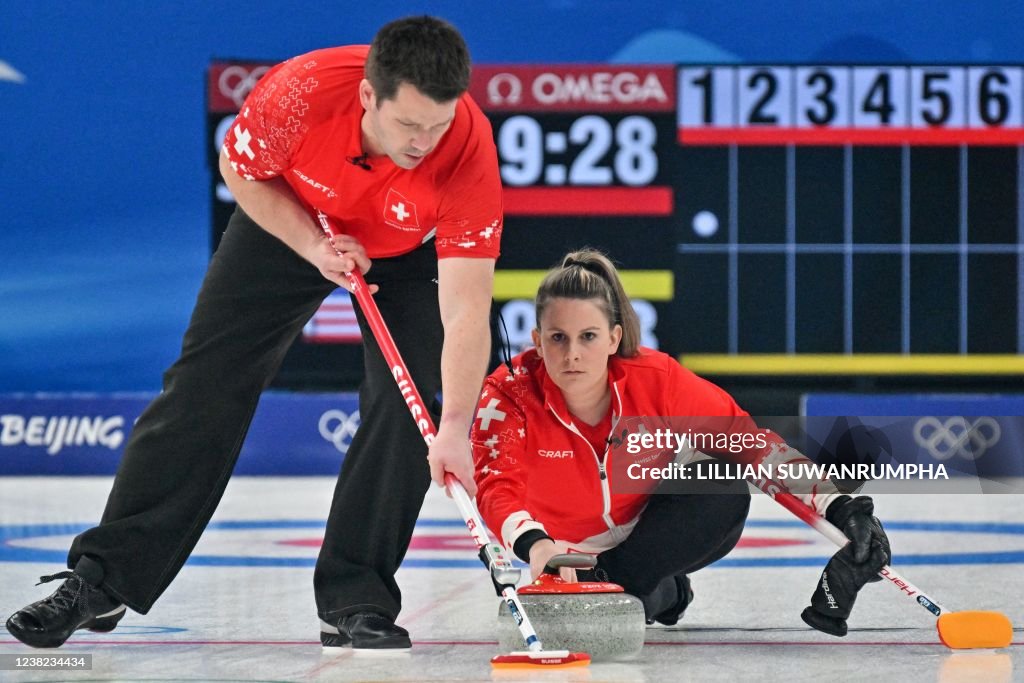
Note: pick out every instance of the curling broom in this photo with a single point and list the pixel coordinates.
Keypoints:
(503, 573)
(965, 630)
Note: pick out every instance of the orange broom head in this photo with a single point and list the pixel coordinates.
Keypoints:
(970, 630)
(548, 659)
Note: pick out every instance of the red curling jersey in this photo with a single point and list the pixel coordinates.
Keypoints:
(302, 122)
(536, 470)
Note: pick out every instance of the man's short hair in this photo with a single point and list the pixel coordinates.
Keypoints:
(426, 52)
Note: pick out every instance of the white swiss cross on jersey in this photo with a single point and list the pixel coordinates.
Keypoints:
(242, 138)
(399, 212)
(490, 413)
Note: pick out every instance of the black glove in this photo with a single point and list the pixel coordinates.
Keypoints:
(855, 518)
(855, 565)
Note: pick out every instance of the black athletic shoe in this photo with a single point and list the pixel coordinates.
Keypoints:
(365, 631)
(666, 603)
(76, 604)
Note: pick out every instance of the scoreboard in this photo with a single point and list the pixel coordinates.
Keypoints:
(822, 219)
(861, 209)
(873, 105)
(837, 214)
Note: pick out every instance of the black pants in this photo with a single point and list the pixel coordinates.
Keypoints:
(255, 298)
(676, 534)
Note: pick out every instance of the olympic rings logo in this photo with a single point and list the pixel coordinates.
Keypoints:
(957, 436)
(237, 82)
(338, 427)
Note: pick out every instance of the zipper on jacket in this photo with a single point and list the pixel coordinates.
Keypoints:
(606, 493)
(602, 466)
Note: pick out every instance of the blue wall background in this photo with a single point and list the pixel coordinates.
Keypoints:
(104, 213)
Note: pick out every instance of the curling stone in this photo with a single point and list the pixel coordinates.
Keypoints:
(598, 618)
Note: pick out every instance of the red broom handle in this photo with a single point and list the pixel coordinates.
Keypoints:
(410, 393)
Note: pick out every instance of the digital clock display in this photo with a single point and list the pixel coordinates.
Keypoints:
(592, 151)
(581, 140)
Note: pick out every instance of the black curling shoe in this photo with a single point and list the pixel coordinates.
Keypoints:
(76, 604)
(666, 603)
(365, 631)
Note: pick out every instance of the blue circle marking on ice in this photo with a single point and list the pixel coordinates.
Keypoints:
(142, 630)
(11, 551)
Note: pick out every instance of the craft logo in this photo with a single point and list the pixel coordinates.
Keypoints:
(556, 454)
(314, 184)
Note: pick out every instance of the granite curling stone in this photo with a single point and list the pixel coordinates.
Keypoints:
(598, 618)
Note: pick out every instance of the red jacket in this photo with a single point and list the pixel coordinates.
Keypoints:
(302, 122)
(534, 469)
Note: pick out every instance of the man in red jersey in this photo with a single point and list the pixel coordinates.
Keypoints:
(383, 143)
